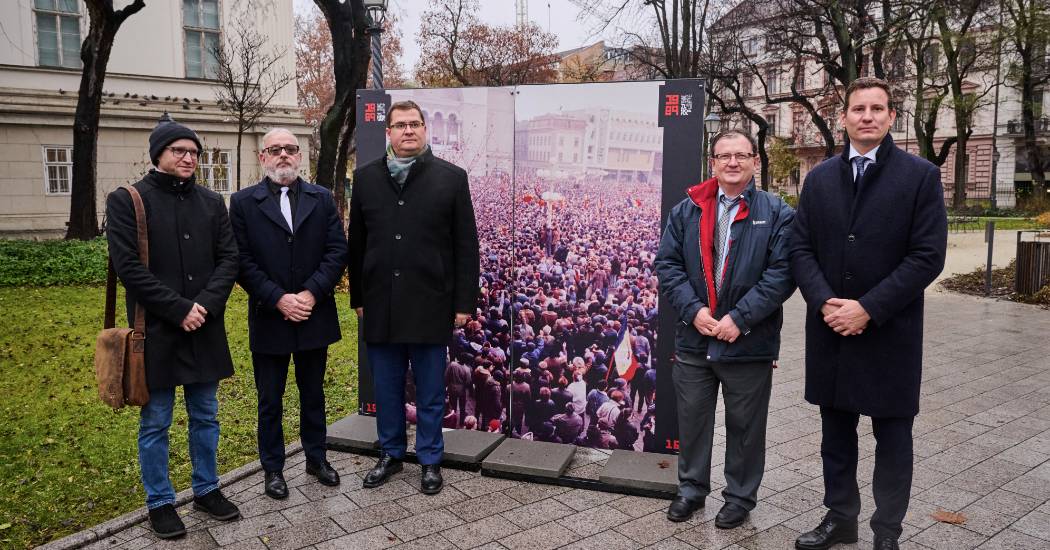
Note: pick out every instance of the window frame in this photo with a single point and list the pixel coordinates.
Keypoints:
(211, 167)
(57, 15)
(200, 32)
(47, 173)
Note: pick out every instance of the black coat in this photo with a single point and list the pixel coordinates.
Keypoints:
(192, 258)
(414, 259)
(275, 261)
(883, 248)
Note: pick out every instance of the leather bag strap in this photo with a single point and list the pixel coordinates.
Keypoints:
(143, 237)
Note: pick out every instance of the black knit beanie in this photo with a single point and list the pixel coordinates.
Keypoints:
(167, 131)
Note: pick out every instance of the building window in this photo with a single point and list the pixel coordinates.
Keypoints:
(800, 78)
(773, 81)
(58, 33)
(898, 123)
(213, 170)
(771, 120)
(200, 19)
(58, 169)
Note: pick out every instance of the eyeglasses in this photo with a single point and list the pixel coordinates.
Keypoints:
(275, 151)
(740, 157)
(181, 152)
(400, 126)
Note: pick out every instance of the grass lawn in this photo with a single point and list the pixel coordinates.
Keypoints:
(1004, 224)
(70, 462)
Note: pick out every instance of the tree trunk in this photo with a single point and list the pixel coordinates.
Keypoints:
(352, 52)
(961, 173)
(763, 155)
(94, 53)
(240, 137)
(1033, 151)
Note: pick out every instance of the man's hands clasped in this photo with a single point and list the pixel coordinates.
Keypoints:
(296, 307)
(724, 329)
(195, 318)
(846, 317)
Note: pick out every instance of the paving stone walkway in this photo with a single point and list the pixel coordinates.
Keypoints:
(982, 448)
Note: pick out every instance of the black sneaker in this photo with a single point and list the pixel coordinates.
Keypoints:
(216, 506)
(165, 522)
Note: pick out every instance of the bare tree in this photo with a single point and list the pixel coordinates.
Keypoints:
(348, 25)
(249, 75)
(1028, 32)
(94, 52)
(463, 51)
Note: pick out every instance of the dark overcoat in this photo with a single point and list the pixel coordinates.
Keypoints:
(192, 258)
(882, 245)
(275, 260)
(414, 259)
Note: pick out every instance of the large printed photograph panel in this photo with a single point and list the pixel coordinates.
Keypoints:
(587, 174)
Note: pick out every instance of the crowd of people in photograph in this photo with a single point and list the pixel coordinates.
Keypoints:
(560, 289)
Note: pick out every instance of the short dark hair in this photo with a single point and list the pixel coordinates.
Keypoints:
(734, 132)
(866, 82)
(406, 105)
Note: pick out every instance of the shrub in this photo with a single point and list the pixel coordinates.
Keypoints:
(1043, 219)
(52, 263)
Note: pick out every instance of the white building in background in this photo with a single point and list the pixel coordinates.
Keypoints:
(161, 61)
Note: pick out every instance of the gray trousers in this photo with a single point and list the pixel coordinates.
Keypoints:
(745, 390)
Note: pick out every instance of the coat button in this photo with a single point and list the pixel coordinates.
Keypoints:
(851, 238)
(186, 236)
(289, 238)
(397, 273)
(400, 203)
(397, 237)
(848, 275)
(190, 277)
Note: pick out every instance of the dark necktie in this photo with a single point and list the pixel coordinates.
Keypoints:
(861, 163)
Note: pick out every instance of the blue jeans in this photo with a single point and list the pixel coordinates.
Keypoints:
(389, 364)
(154, 421)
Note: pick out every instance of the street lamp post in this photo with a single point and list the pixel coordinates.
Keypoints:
(712, 123)
(376, 16)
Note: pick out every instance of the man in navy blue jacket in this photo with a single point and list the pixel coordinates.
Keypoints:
(292, 255)
(870, 236)
(723, 267)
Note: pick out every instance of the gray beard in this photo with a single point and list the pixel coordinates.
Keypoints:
(282, 175)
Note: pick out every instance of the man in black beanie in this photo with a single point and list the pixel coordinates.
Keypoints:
(192, 268)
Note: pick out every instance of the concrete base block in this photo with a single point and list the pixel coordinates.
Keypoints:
(353, 433)
(534, 458)
(469, 447)
(637, 470)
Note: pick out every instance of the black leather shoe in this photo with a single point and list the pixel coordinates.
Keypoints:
(384, 468)
(830, 532)
(431, 481)
(276, 486)
(731, 515)
(216, 506)
(886, 544)
(165, 522)
(681, 508)
(324, 472)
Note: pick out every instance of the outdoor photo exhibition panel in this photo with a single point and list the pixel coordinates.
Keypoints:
(571, 185)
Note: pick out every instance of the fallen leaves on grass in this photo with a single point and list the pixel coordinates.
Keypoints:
(944, 516)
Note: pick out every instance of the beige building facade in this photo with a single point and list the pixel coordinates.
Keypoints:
(161, 62)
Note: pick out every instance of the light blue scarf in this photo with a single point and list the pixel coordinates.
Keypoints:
(399, 166)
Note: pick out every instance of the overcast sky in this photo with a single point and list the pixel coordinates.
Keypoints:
(562, 21)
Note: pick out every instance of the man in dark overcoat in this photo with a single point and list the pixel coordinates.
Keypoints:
(292, 254)
(192, 268)
(414, 272)
(869, 237)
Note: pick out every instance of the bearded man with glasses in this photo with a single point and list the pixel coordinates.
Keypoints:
(723, 267)
(414, 269)
(192, 268)
(292, 255)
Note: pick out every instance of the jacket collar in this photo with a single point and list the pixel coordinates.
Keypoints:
(885, 150)
(269, 207)
(262, 189)
(707, 192)
(170, 183)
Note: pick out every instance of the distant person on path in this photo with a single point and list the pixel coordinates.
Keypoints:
(870, 235)
(192, 268)
(292, 255)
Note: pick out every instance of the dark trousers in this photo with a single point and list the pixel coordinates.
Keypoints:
(891, 484)
(271, 373)
(745, 390)
(389, 364)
